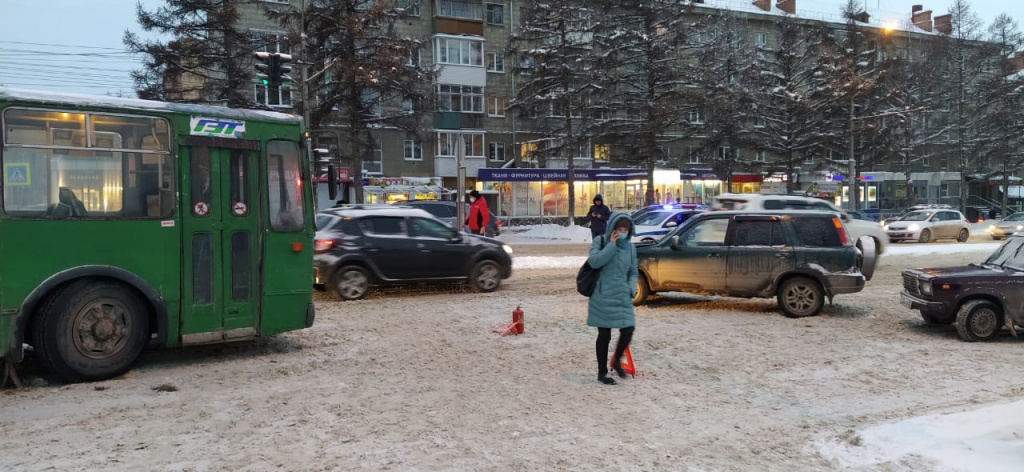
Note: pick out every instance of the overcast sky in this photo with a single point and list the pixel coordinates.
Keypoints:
(75, 45)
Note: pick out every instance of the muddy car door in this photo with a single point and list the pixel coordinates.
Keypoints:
(697, 262)
(758, 254)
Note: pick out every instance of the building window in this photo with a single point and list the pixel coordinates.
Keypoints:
(760, 39)
(463, 52)
(447, 143)
(459, 9)
(760, 156)
(462, 98)
(413, 57)
(695, 117)
(601, 152)
(376, 163)
(526, 65)
(495, 14)
(528, 152)
(269, 41)
(692, 155)
(759, 122)
(496, 106)
(407, 107)
(413, 150)
(496, 151)
(724, 152)
(949, 190)
(412, 7)
(273, 96)
(495, 62)
(371, 101)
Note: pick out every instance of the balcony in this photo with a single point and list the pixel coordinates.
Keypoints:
(457, 120)
(563, 163)
(459, 10)
(444, 166)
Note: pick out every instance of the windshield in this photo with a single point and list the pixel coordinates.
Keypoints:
(652, 218)
(1015, 217)
(918, 216)
(1009, 255)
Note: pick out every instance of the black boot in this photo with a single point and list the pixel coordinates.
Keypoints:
(625, 336)
(605, 379)
(604, 336)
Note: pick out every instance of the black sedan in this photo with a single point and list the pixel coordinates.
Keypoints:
(362, 246)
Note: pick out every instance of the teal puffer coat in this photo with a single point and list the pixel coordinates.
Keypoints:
(611, 305)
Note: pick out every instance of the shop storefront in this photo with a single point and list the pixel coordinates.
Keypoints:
(402, 189)
(545, 192)
(700, 185)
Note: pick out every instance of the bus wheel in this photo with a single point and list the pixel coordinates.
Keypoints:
(352, 283)
(92, 330)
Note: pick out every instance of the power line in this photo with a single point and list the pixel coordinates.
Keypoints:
(33, 64)
(64, 86)
(60, 45)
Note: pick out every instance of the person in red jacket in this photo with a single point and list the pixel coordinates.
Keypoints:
(479, 215)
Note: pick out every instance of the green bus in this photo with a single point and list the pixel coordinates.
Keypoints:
(127, 222)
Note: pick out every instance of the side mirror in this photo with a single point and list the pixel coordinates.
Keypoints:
(674, 242)
(455, 236)
(934, 219)
(671, 224)
(845, 216)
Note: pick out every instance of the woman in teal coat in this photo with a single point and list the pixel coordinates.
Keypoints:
(611, 305)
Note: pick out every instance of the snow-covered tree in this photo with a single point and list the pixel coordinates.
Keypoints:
(1002, 92)
(207, 58)
(648, 47)
(555, 55)
(364, 75)
(790, 110)
(856, 85)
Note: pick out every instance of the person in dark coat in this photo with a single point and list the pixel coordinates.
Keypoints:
(598, 216)
(611, 305)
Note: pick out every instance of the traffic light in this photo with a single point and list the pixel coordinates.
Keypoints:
(264, 69)
(281, 76)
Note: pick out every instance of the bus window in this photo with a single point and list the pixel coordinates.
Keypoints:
(52, 168)
(284, 186)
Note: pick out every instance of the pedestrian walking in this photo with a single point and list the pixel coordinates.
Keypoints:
(479, 215)
(598, 216)
(611, 305)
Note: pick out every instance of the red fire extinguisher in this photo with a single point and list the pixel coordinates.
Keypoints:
(517, 319)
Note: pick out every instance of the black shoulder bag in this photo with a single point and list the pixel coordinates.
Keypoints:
(586, 278)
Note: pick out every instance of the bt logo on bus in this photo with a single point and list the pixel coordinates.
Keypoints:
(215, 127)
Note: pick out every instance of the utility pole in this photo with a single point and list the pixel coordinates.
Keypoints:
(460, 169)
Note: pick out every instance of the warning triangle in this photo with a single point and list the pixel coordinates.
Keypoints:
(626, 362)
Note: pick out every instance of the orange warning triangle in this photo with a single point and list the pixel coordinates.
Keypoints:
(626, 362)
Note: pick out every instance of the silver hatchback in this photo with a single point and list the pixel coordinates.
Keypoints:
(928, 225)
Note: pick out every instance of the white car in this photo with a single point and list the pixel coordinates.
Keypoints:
(928, 225)
(758, 202)
(653, 225)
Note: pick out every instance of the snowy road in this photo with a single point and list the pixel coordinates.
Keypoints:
(413, 379)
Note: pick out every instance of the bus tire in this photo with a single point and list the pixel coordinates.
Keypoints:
(91, 330)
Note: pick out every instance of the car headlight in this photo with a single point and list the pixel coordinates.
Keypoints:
(991, 228)
(507, 248)
(913, 227)
(925, 286)
(1020, 227)
(885, 227)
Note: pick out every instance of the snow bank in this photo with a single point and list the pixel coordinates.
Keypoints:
(546, 234)
(984, 249)
(989, 439)
(538, 262)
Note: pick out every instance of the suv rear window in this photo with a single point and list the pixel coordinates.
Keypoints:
(759, 233)
(816, 232)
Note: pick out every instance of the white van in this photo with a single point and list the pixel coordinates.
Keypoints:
(755, 202)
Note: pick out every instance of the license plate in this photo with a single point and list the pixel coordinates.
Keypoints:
(906, 301)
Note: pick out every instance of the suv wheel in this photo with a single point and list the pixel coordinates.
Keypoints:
(979, 320)
(800, 297)
(642, 290)
(486, 276)
(926, 236)
(352, 283)
(962, 237)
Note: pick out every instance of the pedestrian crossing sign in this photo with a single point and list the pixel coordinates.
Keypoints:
(17, 173)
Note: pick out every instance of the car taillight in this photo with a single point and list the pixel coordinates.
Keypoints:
(323, 245)
(497, 223)
(843, 236)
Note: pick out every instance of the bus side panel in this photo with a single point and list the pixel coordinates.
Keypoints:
(34, 250)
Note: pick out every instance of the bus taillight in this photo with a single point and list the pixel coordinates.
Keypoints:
(323, 245)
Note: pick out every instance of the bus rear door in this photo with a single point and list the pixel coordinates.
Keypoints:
(221, 233)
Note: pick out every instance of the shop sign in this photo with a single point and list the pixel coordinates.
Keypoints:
(558, 175)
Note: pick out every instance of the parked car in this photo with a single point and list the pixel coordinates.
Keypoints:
(799, 257)
(359, 247)
(1005, 227)
(857, 227)
(668, 206)
(447, 211)
(929, 225)
(652, 226)
(979, 298)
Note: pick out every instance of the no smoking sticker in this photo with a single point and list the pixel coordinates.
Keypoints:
(201, 208)
(239, 209)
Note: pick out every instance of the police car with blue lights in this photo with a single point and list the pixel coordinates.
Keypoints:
(652, 225)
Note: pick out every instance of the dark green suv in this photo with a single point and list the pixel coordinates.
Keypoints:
(800, 257)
